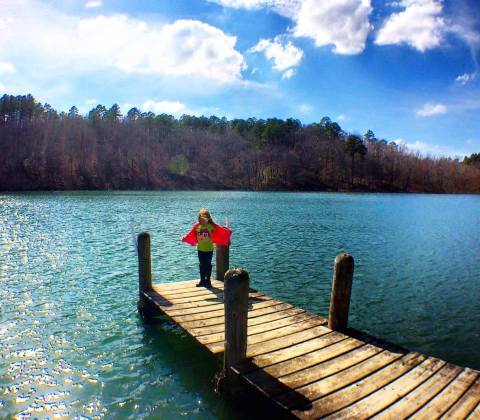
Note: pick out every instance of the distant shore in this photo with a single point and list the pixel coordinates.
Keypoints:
(43, 149)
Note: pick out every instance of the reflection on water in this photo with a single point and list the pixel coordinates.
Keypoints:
(71, 342)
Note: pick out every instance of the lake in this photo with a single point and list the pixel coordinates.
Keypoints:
(71, 340)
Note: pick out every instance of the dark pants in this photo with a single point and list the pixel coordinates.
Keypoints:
(205, 260)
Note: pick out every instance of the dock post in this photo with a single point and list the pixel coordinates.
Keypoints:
(222, 259)
(144, 272)
(341, 291)
(236, 315)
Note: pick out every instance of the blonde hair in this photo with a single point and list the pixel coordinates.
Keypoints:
(206, 214)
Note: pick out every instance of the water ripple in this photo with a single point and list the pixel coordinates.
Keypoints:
(71, 342)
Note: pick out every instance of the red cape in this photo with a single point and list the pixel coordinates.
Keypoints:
(220, 235)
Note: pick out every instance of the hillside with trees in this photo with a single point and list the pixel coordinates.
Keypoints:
(42, 149)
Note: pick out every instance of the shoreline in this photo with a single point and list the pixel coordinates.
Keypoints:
(313, 191)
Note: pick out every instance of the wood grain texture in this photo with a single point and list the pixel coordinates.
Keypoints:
(296, 361)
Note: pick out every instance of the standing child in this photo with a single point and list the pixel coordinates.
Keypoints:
(204, 234)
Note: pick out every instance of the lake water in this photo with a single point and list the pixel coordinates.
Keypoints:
(72, 343)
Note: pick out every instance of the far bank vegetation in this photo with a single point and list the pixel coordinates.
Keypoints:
(42, 149)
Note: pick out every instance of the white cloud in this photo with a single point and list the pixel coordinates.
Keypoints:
(465, 26)
(429, 110)
(341, 23)
(93, 4)
(342, 117)
(466, 78)
(91, 101)
(288, 74)
(286, 57)
(305, 108)
(166, 107)
(55, 43)
(6, 68)
(243, 4)
(419, 25)
(2, 88)
(183, 48)
(287, 8)
(434, 150)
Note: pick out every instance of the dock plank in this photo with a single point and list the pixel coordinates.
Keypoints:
(465, 404)
(267, 331)
(268, 318)
(282, 355)
(391, 393)
(190, 322)
(325, 386)
(205, 307)
(358, 390)
(443, 400)
(475, 414)
(279, 326)
(268, 305)
(301, 365)
(323, 363)
(207, 301)
(413, 401)
(296, 372)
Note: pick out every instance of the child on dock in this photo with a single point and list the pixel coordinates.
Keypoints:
(204, 234)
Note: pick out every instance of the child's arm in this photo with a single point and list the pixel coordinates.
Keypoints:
(221, 235)
(191, 237)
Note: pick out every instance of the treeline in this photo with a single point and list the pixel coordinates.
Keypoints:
(42, 149)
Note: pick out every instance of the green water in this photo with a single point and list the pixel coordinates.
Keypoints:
(71, 341)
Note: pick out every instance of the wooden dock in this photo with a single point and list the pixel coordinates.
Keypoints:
(311, 371)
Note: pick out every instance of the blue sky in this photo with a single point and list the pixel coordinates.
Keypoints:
(408, 69)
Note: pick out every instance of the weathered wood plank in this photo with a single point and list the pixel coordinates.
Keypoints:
(312, 371)
(444, 399)
(212, 304)
(284, 326)
(286, 354)
(197, 291)
(178, 285)
(264, 332)
(465, 404)
(271, 381)
(354, 392)
(199, 298)
(330, 361)
(217, 317)
(389, 394)
(212, 300)
(422, 394)
(475, 414)
(281, 318)
(277, 343)
(215, 310)
(317, 389)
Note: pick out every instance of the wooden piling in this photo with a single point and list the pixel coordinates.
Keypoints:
(236, 314)
(144, 276)
(222, 260)
(304, 369)
(341, 291)
(144, 262)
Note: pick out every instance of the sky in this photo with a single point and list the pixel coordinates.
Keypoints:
(408, 69)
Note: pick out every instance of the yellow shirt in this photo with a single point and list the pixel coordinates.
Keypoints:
(204, 237)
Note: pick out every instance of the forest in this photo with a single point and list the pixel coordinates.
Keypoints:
(43, 149)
